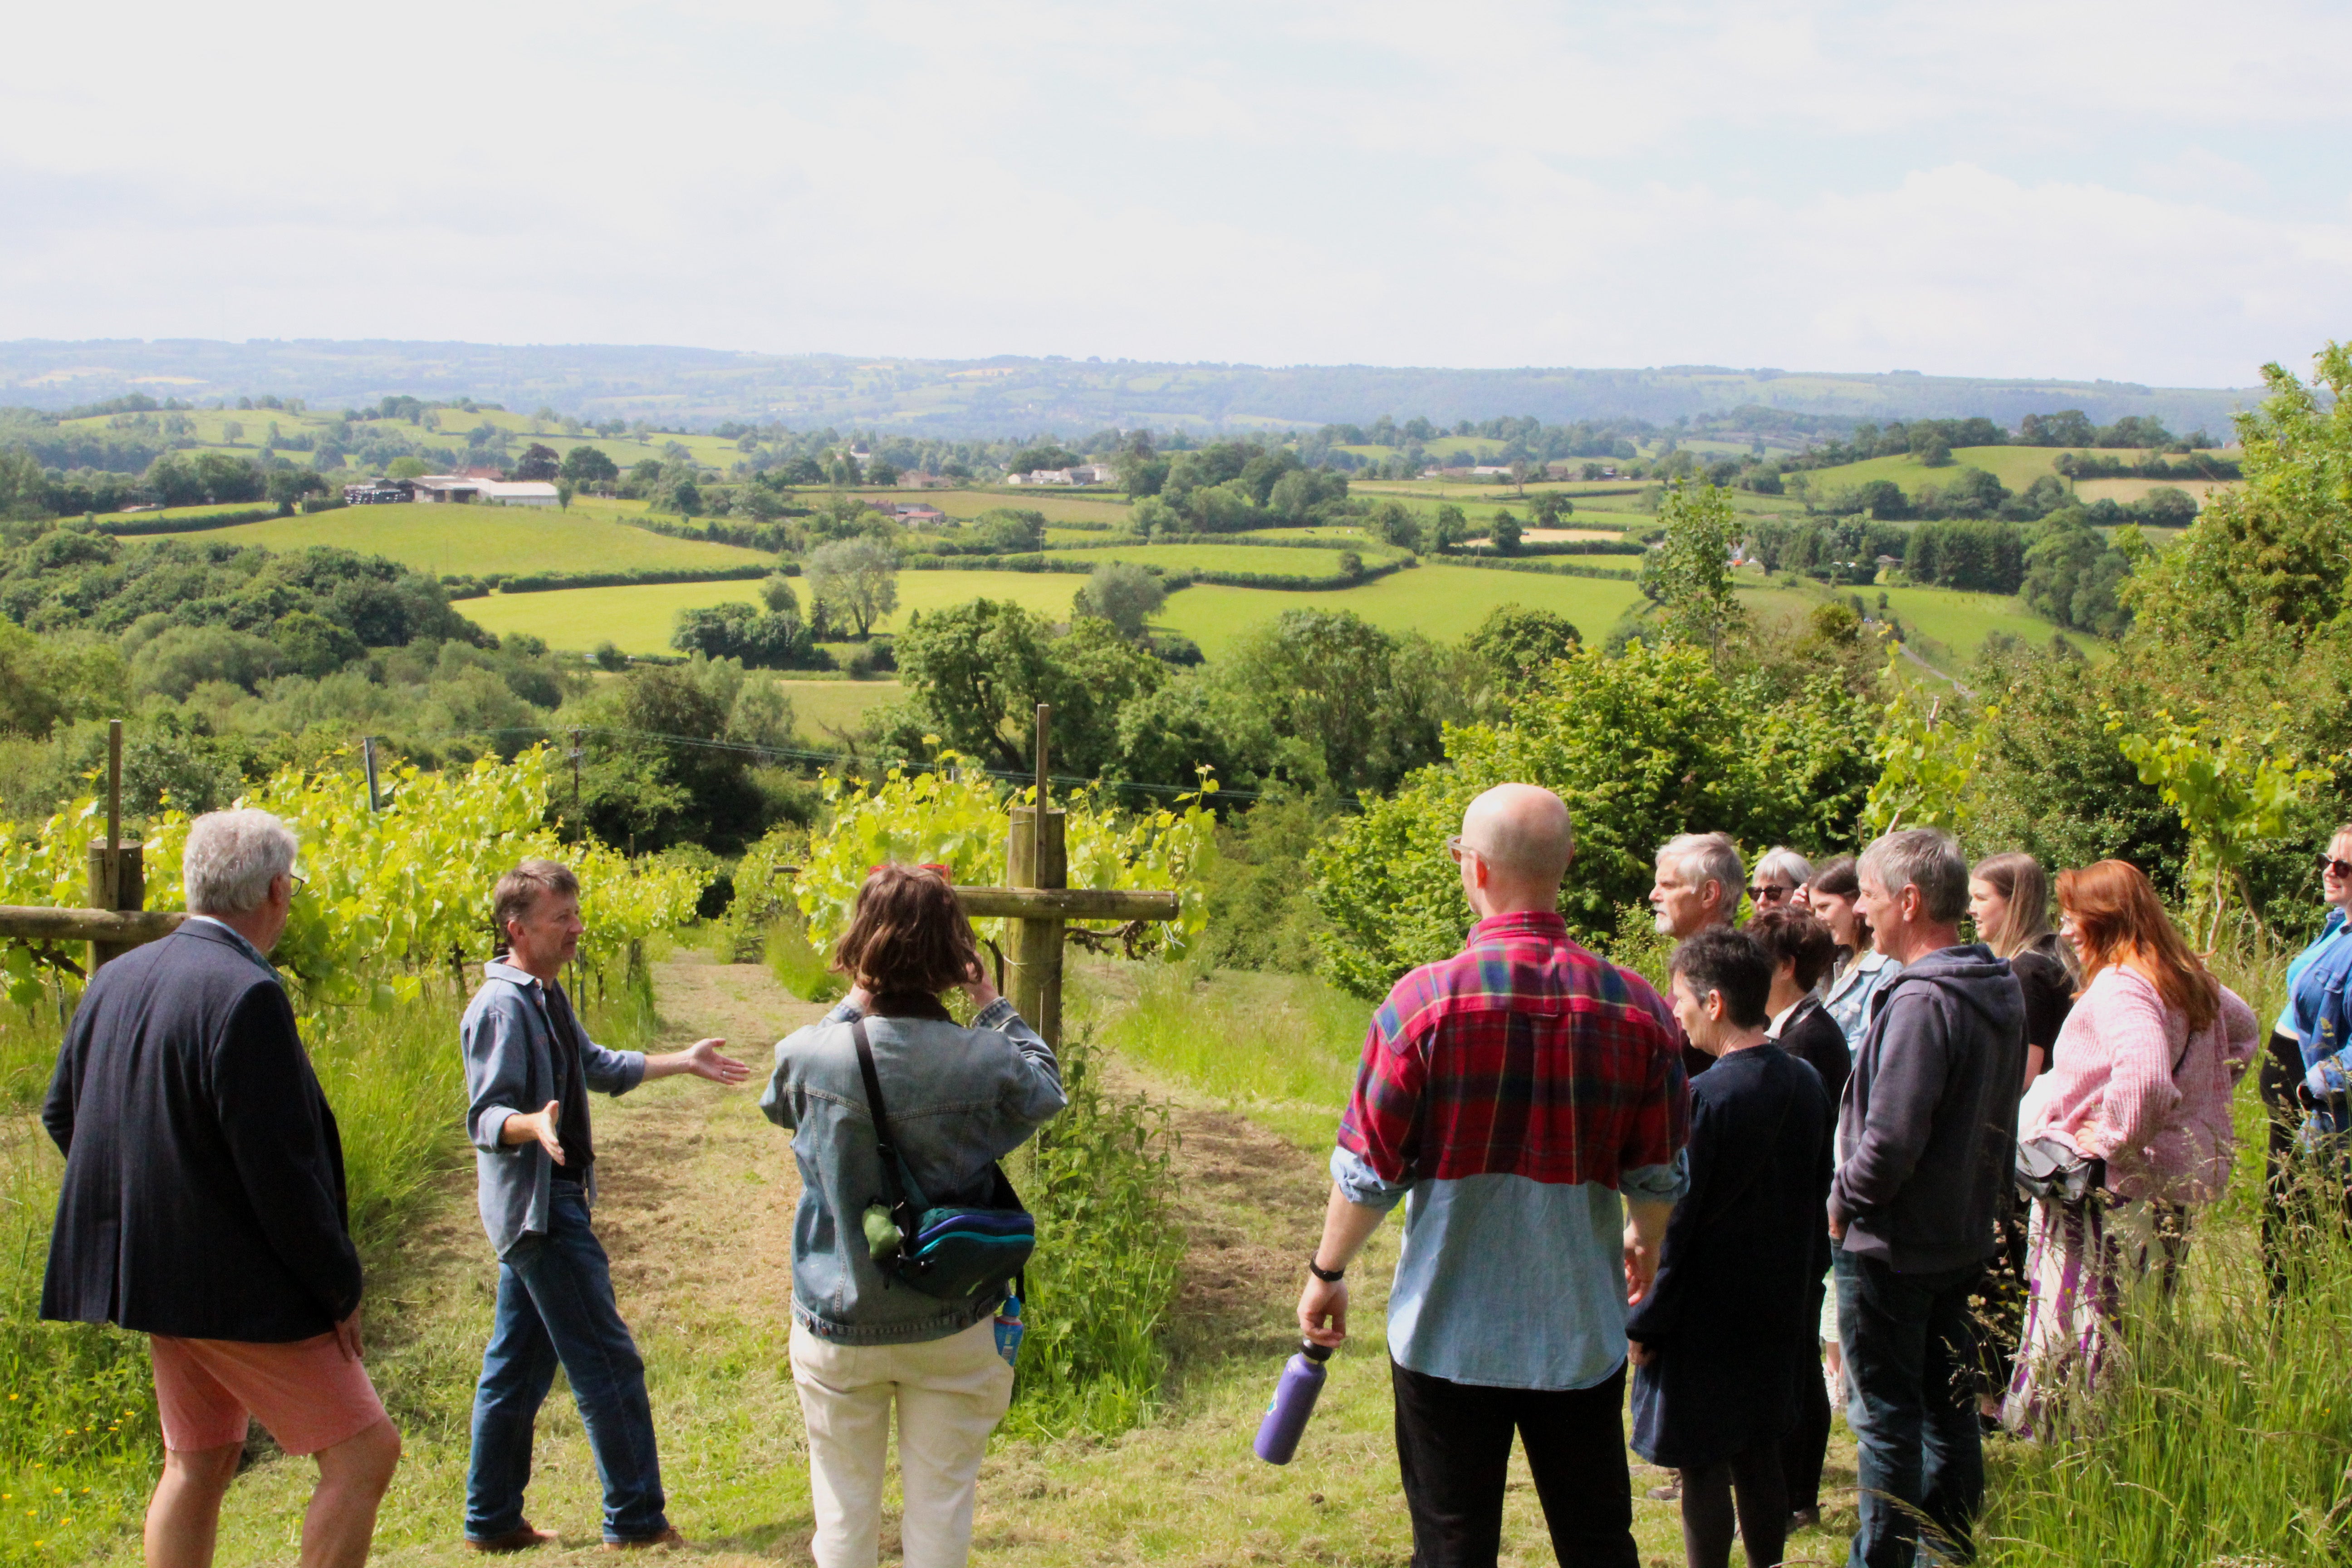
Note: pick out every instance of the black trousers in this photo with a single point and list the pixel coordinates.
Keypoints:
(1453, 1447)
(1806, 1448)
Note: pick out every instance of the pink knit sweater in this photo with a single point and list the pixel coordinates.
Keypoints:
(2111, 1092)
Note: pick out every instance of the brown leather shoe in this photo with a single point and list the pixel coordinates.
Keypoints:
(668, 1538)
(523, 1538)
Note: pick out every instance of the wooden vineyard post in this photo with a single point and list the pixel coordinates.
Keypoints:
(1036, 856)
(118, 879)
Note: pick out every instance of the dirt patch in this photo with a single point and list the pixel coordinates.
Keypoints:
(697, 1189)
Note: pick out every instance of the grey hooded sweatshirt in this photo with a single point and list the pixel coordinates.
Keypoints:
(1928, 1122)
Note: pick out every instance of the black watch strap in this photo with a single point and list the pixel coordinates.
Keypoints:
(1329, 1276)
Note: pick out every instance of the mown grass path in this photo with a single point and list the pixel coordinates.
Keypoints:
(698, 1193)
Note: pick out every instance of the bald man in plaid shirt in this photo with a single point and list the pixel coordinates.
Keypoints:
(1519, 1098)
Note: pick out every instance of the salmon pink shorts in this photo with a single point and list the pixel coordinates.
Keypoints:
(306, 1392)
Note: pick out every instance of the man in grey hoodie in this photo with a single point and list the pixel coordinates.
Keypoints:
(1927, 1141)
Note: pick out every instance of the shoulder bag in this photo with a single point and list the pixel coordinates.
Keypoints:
(950, 1253)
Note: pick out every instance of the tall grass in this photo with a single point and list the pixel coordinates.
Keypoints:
(1283, 1047)
(1099, 1181)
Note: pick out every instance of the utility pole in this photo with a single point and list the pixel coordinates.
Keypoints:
(367, 758)
(577, 735)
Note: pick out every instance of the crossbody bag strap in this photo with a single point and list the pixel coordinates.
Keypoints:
(884, 1144)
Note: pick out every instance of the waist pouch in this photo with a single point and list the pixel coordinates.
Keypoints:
(950, 1252)
(2049, 1168)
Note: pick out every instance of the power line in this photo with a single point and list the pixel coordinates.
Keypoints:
(797, 754)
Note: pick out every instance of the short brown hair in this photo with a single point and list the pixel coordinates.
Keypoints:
(1797, 939)
(520, 889)
(908, 934)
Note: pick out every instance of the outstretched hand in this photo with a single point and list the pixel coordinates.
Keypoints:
(703, 1060)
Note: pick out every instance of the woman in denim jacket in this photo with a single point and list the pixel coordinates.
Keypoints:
(1863, 971)
(959, 1100)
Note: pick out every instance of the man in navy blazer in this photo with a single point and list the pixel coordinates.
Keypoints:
(202, 1205)
(530, 1066)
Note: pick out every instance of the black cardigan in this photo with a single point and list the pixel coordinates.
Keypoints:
(1813, 1038)
(203, 1185)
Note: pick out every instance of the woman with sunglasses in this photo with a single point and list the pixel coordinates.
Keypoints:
(1780, 880)
(957, 1099)
(2307, 1044)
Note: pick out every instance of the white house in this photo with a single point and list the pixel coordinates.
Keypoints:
(518, 492)
(443, 489)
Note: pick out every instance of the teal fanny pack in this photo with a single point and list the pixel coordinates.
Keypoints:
(949, 1252)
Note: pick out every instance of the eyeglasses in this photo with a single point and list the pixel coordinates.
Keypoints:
(1456, 848)
(2330, 866)
(1770, 893)
(299, 881)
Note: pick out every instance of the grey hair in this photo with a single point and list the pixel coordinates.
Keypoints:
(1708, 856)
(231, 858)
(1928, 859)
(1782, 864)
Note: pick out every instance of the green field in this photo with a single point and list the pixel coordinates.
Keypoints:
(2016, 466)
(1443, 602)
(1961, 622)
(474, 540)
(818, 705)
(963, 505)
(639, 619)
(1237, 557)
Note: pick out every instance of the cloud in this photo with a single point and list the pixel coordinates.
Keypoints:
(1996, 189)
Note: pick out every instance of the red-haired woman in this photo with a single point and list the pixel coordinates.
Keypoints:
(2141, 1080)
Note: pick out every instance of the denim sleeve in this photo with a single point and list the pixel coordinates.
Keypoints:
(1664, 1184)
(776, 1099)
(610, 1072)
(1360, 1185)
(497, 1068)
(1038, 1096)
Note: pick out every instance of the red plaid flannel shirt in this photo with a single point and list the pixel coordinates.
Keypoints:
(1523, 1055)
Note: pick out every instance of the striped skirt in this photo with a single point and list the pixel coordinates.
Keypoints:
(2081, 1262)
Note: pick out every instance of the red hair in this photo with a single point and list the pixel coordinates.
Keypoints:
(2122, 921)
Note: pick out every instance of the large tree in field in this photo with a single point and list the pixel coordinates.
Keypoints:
(975, 673)
(857, 578)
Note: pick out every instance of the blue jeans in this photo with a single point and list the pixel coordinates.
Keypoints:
(1909, 1343)
(555, 1305)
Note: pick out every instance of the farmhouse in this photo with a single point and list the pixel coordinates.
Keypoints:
(377, 492)
(1083, 474)
(447, 489)
(914, 514)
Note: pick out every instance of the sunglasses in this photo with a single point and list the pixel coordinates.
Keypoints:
(1770, 893)
(2329, 864)
(1456, 848)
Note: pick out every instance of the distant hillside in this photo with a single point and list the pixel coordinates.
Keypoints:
(1008, 396)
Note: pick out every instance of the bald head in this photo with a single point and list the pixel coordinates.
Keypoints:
(1522, 831)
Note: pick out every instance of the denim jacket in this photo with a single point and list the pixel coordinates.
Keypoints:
(958, 1099)
(509, 1069)
(1852, 991)
(2317, 1014)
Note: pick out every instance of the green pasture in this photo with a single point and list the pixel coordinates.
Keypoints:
(473, 540)
(821, 705)
(1441, 602)
(639, 619)
(179, 513)
(1237, 557)
(2126, 490)
(2016, 466)
(963, 505)
(1960, 622)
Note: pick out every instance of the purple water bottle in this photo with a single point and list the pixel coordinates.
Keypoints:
(1294, 1402)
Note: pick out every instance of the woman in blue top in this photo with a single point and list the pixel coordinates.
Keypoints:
(2304, 1073)
(958, 1100)
(1863, 971)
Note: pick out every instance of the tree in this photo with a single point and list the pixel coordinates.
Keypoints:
(776, 593)
(2071, 428)
(1551, 506)
(287, 487)
(1688, 576)
(685, 497)
(856, 577)
(309, 644)
(1506, 533)
(585, 464)
(1029, 460)
(1390, 523)
(975, 673)
(1451, 528)
(1122, 592)
(1516, 644)
(537, 462)
(1011, 528)
(646, 780)
(1883, 499)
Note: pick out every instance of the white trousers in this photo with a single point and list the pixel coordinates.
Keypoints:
(950, 1394)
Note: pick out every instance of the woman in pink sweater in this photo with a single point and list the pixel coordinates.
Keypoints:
(2140, 1080)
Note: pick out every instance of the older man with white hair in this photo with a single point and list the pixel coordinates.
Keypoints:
(203, 1206)
(1519, 1098)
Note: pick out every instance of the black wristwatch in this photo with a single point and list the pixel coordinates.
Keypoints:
(1329, 1276)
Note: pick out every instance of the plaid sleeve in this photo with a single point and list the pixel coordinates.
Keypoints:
(1383, 1122)
(1657, 1124)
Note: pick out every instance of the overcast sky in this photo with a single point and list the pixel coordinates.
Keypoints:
(2155, 192)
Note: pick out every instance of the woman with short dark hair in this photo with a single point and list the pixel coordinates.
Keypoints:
(957, 1099)
(1723, 1335)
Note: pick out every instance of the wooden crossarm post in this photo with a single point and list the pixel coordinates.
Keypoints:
(1032, 970)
